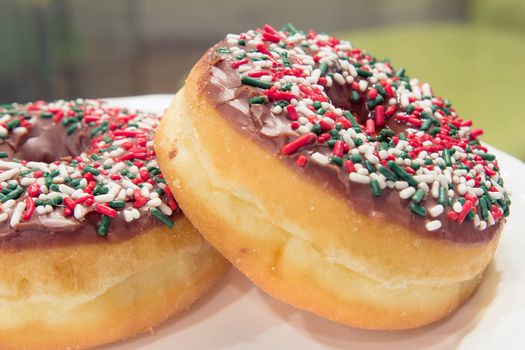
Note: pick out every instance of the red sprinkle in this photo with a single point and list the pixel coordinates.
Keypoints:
(302, 141)
(33, 190)
(30, 209)
(139, 199)
(292, 112)
(104, 209)
(301, 160)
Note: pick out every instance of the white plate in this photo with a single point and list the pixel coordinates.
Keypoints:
(236, 315)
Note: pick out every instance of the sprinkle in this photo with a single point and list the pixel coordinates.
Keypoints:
(103, 226)
(255, 82)
(407, 192)
(163, 218)
(356, 177)
(17, 214)
(417, 209)
(298, 143)
(433, 225)
(376, 191)
(436, 210)
(402, 173)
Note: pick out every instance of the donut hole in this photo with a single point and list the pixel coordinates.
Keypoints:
(48, 142)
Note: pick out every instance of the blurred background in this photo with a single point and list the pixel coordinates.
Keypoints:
(472, 51)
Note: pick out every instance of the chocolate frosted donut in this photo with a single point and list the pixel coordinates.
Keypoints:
(93, 246)
(333, 181)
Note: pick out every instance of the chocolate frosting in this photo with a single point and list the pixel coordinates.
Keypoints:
(221, 84)
(47, 141)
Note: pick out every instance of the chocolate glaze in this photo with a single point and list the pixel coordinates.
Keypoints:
(46, 142)
(222, 86)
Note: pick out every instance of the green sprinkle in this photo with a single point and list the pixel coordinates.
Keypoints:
(387, 173)
(354, 96)
(289, 28)
(323, 68)
(316, 128)
(442, 196)
(71, 129)
(257, 100)
(352, 120)
(402, 173)
(13, 123)
(95, 156)
(426, 124)
(242, 42)
(337, 160)
(355, 158)
(400, 72)
(417, 209)
(117, 204)
(255, 82)
(222, 50)
(486, 156)
(46, 115)
(402, 136)
(446, 157)
(162, 217)
(90, 169)
(484, 206)
(14, 194)
(376, 190)
(418, 196)
(286, 61)
(364, 73)
(103, 226)
(370, 167)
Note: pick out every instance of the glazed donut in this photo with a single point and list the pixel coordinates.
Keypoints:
(334, 182)
(93, 247)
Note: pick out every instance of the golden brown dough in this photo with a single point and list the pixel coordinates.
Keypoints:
(87, 295)
(298, 241)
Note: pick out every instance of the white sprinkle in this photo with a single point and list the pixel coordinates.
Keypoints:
(359, 178)
(40, 210)
(424, 178)
(407, 192)
(66, 189)
(320, 158)
(8, 174)
(48, 208)
(404, 100)
(17, 214)
(78, 194)
(433, 225)
(482, 225)
(104, 198)
(128, 216)
(165, 209)
(9, 165)
(26, 181)
(457, 207)
(435, 189)
(436, 210)
(135, 213)
(8, 204)
(462, 189)
(399, 185)
(496, 195)
(79, 211)
(3, 217)
(155, 202)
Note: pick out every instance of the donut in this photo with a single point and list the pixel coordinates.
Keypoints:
(93, 246)
(333, 181)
